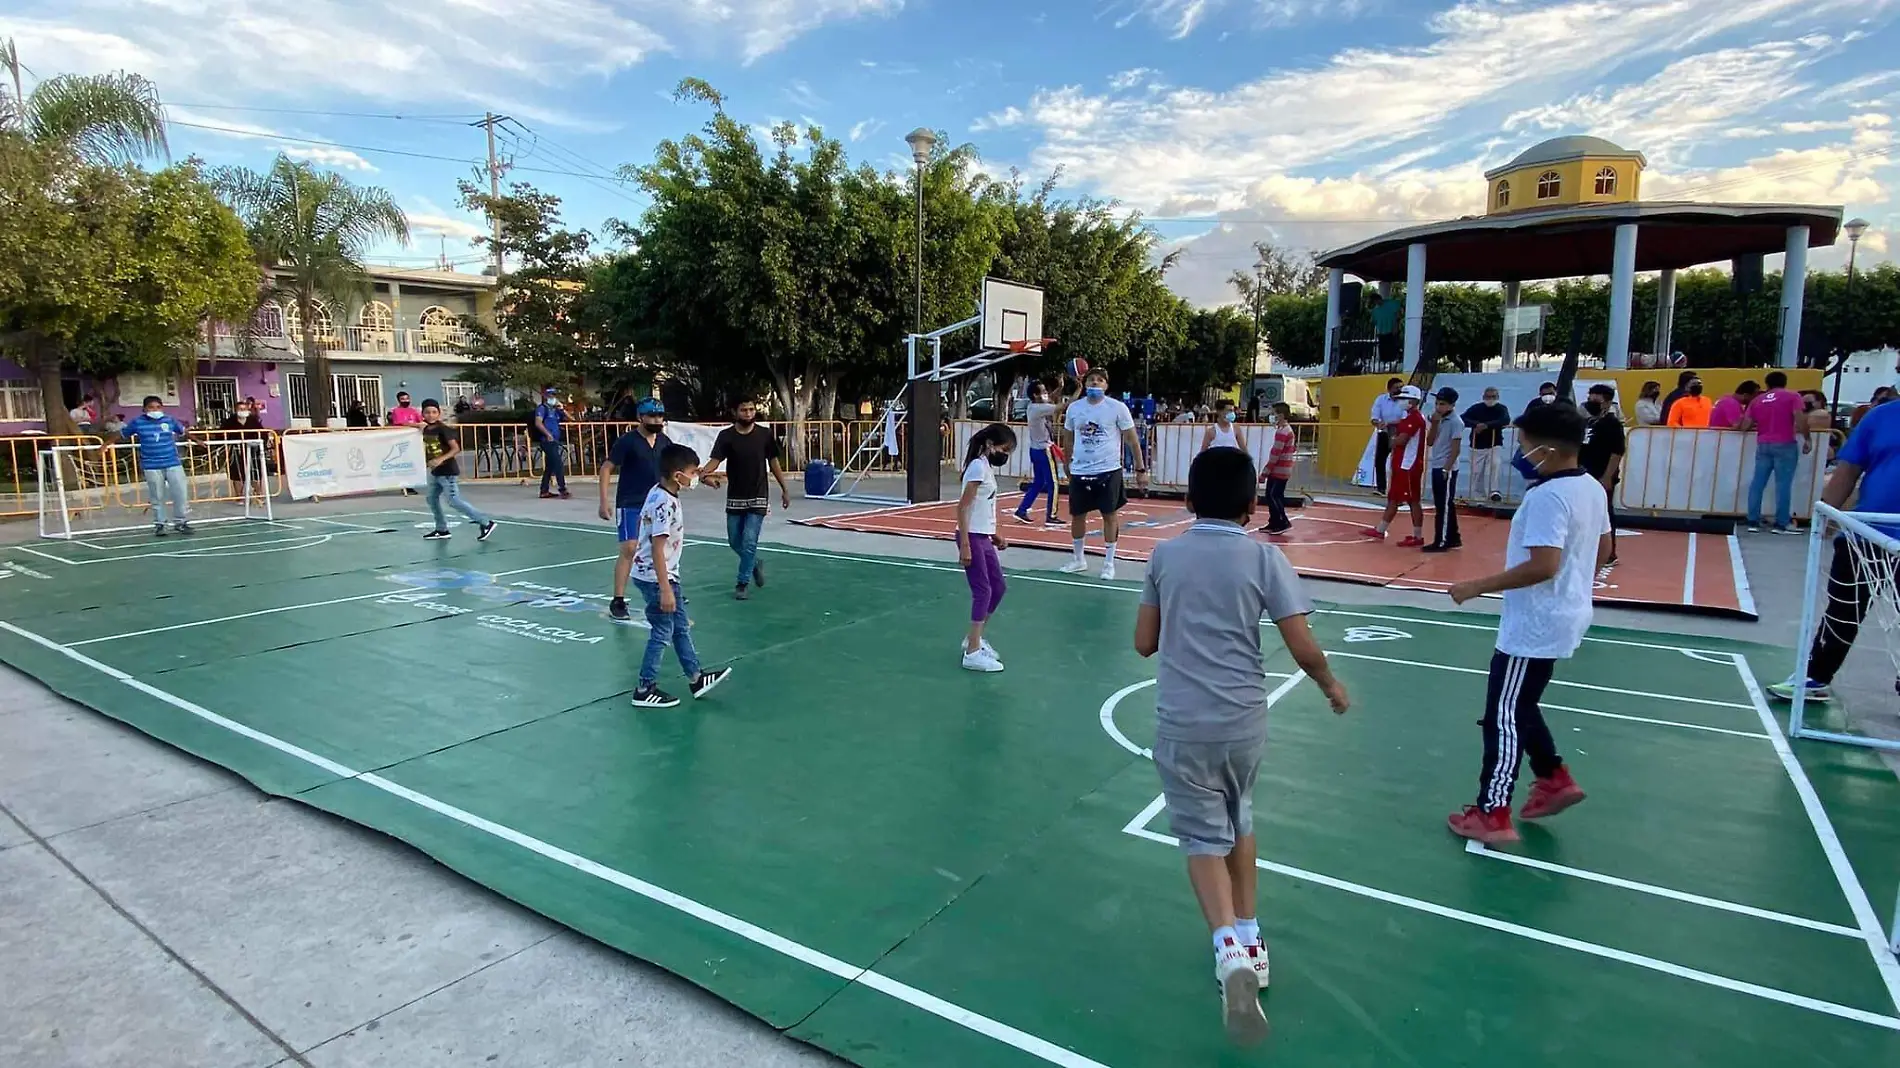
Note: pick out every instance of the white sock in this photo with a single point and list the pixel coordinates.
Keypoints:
(1382, 527)
(1249, 931)
(1111, 552)
(1223, 937)
(1079, 542)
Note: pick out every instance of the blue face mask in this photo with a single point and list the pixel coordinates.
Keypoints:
(1523, 465)
(1227, 417)
(1096, 392)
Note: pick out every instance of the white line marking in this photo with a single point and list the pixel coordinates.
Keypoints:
(1744, 595)
(1645, 719)
(1856, 894)
(1115, 699)
(983, 1025)
(1662, 891)
(1562, 941)
(49, 556)
(1493, 627)
(1553, 682)
(1688, 573)
(342, 523)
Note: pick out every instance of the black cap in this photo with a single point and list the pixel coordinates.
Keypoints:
(1447, 394)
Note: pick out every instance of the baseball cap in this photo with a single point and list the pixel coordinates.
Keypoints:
(650, 406)
(1447, 394)
(1412, 393)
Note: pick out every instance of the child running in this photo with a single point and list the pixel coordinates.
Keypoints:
(662, 541)
(978, 540)
(1206, 592)
(1560, 536)
(441, 444)
(1408, 471)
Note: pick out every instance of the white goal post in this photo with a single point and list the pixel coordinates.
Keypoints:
(90, 490)
(1864, 599)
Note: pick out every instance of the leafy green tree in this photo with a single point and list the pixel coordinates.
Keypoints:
(1294, 329)
(310, 231)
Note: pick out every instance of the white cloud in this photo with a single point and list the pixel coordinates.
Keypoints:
(424, 224)
(1180, 18)
(1128, 79)
(865, 128)
(324, 156)
(765, 26)
(800, 93)
(998, 120)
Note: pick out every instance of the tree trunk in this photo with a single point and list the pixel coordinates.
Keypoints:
(319, 389)
(787, 396)
(825, 401)
(45, 361)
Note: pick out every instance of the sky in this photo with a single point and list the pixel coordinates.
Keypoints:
(1305, 123)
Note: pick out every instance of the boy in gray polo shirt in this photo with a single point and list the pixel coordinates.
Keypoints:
(1206, 594)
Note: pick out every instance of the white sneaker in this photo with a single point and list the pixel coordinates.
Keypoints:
(1240, 997)
(984, 646)
(1074, 567)
(1258, 954)
(981, 660)
(1108, 571)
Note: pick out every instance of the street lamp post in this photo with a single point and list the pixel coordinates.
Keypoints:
(921, 141)
(1854, 228)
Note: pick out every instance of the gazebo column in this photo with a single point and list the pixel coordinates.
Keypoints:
(1616, 352)
(1507, 349)
(1414, 306)
(1334, 279)
(1794, 283)
(1665, 314)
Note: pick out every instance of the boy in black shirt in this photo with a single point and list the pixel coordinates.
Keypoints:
(1603, 446)
(636, 456)
(749, 451)
(441, 444)
(1487, 422)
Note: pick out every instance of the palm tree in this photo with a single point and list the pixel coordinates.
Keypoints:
(98, 119)
(311, 230)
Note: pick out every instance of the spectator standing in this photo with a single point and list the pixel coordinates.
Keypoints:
(1691, 410)
(1545, 394)
(1279, 468)
(1649, 404)
(1681, 391)
(356, 415)
(1488, 421)
(1727, 413)
(1882, 394)
(749, 451)
(157, 436)
(1819, 419)
(1604, 444)
(1387, 410)
(239, 427)
(1447, 435)
(1776, 418)
(546, 425)
(404, 413)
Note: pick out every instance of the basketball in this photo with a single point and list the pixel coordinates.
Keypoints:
(1078, 367)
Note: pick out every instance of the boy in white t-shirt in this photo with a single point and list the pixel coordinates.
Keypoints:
(1560, 537)
(1095, 430)
(656, 563)
(978, 540)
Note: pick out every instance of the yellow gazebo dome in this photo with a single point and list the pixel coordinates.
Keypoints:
(1565, 172)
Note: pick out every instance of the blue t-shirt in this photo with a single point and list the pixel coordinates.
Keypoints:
(157, 440)
(1874, 447)
(638, 465)
(550, 417)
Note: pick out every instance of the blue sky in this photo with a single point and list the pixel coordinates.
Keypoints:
(1309, 123)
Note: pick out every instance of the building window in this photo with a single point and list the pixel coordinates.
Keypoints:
(1504, 194)
(323, 329)
(376, 316)
(269, 320)
(298, 386)
(217, 397)
(20, 400)
(1549, 184)
(1606, 181)
(455, 391)
(437, 316)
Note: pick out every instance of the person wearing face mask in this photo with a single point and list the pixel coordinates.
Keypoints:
(404, 413)
(1041, 415)
(1405, 483)
(1560, 538)
(1604, 444)
(1545, 394)
(661, 543)
(242, 425)
(157, 435)
(545, 430)
(1488, 421)
(636, 459)
(979, 541)
(1097, 428)
(1447, 439)
(750, 451)
(1692, 409)
(1278, 470)
(1220, 433)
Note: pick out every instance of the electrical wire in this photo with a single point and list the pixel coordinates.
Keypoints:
(454, 119)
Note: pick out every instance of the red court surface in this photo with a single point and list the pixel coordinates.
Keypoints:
(1658, 569)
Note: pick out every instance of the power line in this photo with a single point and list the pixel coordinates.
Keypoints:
(456, 119)
(237, 132)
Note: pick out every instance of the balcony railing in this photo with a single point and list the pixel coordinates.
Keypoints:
(435, 340)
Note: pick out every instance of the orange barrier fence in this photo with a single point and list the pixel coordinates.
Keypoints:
(20, 470)
(101, 474)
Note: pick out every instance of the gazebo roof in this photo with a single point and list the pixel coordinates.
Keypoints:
(1563, 150)
(1569, 242)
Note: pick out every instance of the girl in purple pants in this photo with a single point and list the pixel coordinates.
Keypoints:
(978, 540)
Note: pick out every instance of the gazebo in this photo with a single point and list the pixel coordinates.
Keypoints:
(1568, 207)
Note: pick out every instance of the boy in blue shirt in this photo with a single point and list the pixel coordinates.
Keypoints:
(157, 435)
(547, 432)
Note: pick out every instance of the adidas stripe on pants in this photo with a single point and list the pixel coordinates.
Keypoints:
(1514, 726)
(1444, 506)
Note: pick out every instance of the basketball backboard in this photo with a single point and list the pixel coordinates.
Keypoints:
(1010, 312)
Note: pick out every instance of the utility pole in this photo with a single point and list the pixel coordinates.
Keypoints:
(489, 120)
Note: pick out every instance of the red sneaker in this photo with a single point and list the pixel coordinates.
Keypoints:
(1412, 541)
(1552, 795)
(1488, 827)
(1374, 533)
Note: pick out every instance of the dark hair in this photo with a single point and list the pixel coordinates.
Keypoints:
(1390, 382)
(1096, 372)
(160, 401)
(1547, 385)
(676, 458)
(1749, 385)
(430, 403)
(1776, 380)
(1683, 378)
(1603, 389)
(1649, 385)
(1560, 424)
(980, 442)
(1283, 407)
(1223, 403)
(743, 401)
(405, 393)
(1221, 484)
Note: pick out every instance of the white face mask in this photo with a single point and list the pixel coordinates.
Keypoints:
(154, 413)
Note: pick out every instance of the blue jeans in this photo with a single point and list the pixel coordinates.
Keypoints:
(444, 486)
(1779, 460)
(553, 465)
(669, 628)
(742, 533)
(1042, 483)
(167, 482)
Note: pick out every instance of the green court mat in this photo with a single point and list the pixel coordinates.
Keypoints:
(908, 864)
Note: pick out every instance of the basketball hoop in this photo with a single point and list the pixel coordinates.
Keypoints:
(1030, 344)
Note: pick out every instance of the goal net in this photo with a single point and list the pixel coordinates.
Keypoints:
(1850, 619)
(87, 490)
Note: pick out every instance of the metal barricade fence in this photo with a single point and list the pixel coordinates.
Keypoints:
(20, 472)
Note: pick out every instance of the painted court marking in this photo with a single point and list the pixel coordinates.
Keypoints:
(1040, 1048)
(1553, 682)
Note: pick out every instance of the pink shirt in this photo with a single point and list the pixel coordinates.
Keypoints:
(1776, 414)
(1727, 412)
(400, 416)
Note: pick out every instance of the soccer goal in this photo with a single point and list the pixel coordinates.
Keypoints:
(1848, 599)
(87, 490)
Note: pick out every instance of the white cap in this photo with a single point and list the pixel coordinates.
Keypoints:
(1411, 393)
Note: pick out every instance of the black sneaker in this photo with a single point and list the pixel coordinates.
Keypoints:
(438, 535)
(740, 593)
(650, 696)
(758, 575)
(706, 680)
(487, 529)
(159, 531)
(617, 611)
(1496, 497)
(185, 529)
(1435, 547)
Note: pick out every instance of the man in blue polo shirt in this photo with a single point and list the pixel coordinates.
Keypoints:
(1871, 461)
(547, 433)
(157, 435)
(636, 458)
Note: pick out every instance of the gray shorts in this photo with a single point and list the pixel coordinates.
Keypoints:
(1209, 787)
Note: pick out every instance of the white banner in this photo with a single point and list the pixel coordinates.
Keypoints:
(1367, 473)
(355, 461)
(698, 437)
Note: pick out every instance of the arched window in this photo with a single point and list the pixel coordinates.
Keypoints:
(323, 328)
(1606, 181)
(1549, 184)
(1504, 194)
(376, 316)
(437, 317)
(269, 320)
